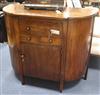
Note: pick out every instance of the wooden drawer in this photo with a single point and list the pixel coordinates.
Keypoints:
(40, 31)
(40, 40)
(39, 27)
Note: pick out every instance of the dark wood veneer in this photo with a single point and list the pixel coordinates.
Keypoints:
(49, 46)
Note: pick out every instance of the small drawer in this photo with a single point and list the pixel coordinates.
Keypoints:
(40, 27)
(40, 40)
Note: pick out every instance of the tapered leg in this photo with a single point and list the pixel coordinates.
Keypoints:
(85, 76)
(61, 86)
(22, 80)
(21, 74)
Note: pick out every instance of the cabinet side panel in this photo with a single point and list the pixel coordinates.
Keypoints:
(78, 46)
(11, 23)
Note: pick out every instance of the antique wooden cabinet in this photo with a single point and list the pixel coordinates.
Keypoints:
(49, 45)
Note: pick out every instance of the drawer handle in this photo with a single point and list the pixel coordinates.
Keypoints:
(22, 59)
(28, 38)
(50, 40)
(28, 28)
(22, 56)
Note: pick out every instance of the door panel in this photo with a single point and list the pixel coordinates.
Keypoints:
(42, 61)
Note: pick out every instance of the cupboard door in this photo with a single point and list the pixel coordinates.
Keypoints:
(42, 61)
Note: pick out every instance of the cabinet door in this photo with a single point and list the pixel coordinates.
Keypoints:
(42, 61)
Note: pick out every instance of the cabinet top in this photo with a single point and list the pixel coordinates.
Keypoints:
(19, 10)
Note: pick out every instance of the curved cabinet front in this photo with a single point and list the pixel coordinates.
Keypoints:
(52, 48)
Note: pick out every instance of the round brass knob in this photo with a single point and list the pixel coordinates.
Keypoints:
(50, 40)
(22, 56)
(28, 28)
(28, 38)
(22, 59)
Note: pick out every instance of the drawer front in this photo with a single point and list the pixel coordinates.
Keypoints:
(39, 27)
(40, 31)
(40, 40)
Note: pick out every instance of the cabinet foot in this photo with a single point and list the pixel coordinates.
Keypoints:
(85, 76)
(23, 80)
(61, 86)
(23, 83)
